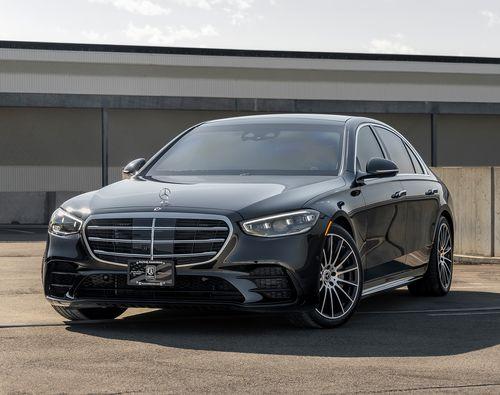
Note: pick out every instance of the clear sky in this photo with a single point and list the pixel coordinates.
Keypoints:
(442, 27)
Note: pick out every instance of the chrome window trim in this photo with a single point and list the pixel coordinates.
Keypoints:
(344, 151)
(154, 216)
(394, 131)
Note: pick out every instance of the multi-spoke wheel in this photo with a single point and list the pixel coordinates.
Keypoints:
(340, 282)
(445, 255)
(437, 279)
(339, 278)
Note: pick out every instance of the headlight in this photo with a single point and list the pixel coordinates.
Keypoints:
(63, 223)
(282, 224)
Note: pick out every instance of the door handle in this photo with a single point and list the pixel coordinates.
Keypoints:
(431, 192)
(399, 194)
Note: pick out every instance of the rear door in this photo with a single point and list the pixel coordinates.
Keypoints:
(384, 214)
(423, 207)
(422, 197)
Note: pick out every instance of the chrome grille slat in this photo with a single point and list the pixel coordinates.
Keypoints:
(130, 241)
(195, 228)
(185, 238)
(100, 252)
(111, 253)
(199, 241)
(119, 227)
(210, 253)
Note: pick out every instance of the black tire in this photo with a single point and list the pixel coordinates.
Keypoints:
(350, 271)
(98, 313)
(435, 282)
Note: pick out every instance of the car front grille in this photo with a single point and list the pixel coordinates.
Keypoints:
(178, 238)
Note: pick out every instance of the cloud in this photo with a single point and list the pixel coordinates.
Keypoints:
(142, 7)
(93, 36)
(236, 10)
(211, 4)
(168, 35)
(388, 46)
(203, 4)
(492, 18)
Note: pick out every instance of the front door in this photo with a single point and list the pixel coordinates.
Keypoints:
(384, 214)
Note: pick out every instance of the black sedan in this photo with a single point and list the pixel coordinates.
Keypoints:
(295, 214)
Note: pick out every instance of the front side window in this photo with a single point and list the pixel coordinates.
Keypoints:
(313, 148)
(396, 150)
(367, 148)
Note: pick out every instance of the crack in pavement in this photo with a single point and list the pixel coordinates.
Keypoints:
(438, 387)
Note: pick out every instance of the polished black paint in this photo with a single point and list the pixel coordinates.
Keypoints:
(392, 218)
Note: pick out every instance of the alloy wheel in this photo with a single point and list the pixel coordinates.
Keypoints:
(445, 255)
(339, 278)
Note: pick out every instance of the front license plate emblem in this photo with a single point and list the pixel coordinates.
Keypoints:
(159, 273)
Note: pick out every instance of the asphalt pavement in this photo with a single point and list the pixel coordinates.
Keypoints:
(395, 343)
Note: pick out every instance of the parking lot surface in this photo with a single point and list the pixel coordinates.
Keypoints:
(395, 343)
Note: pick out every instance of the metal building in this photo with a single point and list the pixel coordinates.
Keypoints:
(72, 114)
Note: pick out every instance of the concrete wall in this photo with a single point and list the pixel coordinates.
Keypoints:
(471, 191)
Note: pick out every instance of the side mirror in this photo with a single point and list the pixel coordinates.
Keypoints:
(378, 168)
(132, 168)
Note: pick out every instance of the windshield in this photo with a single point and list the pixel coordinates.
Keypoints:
(313, 148)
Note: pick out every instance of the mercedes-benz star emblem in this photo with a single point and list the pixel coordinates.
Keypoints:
(165, 196)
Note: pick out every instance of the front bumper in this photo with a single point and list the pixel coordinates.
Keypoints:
(252, 273)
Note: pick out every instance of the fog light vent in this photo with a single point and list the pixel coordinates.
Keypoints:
(271, 281)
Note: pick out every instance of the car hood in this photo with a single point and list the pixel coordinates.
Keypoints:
(249, 196)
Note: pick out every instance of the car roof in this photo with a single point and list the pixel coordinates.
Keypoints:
(286, 117)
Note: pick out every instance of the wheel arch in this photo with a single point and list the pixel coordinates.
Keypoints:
(342, 219)
(447, 214)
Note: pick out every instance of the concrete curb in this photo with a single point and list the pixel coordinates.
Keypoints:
(475, 260)
(18, 249)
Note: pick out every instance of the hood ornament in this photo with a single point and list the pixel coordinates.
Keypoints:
(164, 198)
(165, 195)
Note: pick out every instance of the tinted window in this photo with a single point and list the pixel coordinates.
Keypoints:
(416, 163)
(367, 148)
(396, 150)
(313, 148)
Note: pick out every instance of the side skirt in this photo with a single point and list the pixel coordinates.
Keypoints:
(389, 285)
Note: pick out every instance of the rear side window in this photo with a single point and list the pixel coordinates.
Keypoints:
(367, 148)
(416, 162)
(396, 150)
